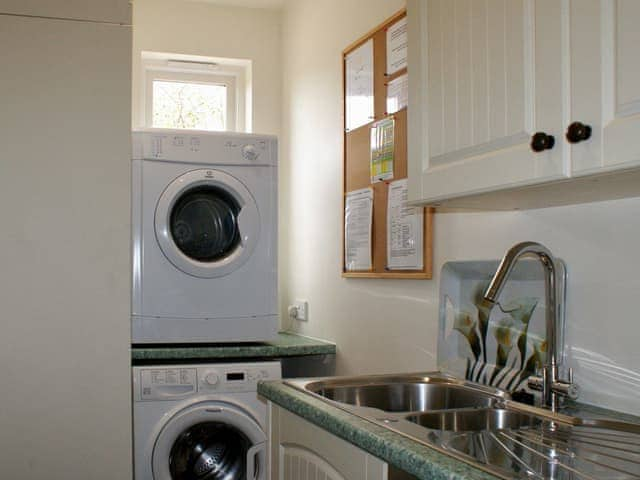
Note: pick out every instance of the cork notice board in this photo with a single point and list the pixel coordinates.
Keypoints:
(357, 160)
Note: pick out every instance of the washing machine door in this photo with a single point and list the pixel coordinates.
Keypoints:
(210, 441)
(207, 223)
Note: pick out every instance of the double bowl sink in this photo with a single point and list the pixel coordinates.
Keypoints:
(438, 403)
(484, 427)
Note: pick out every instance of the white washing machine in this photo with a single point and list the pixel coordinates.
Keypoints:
(204, 213)
(201, 421)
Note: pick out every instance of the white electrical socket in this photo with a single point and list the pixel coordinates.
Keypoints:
(302, 310)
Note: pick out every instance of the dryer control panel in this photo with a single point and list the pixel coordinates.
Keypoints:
(181, 381)
(211, 148)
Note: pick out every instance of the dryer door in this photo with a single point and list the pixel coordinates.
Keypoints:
(207, 223)
(212, 441)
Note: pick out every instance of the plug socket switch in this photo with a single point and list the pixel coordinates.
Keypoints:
(299, 310)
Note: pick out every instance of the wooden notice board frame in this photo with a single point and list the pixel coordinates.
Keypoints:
(356, 174)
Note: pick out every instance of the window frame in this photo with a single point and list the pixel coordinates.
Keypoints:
(203, 71)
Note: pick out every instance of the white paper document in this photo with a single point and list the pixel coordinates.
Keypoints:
(404, 230)
(358, 219)
(359, 86)
(397, 94)
(397, 46)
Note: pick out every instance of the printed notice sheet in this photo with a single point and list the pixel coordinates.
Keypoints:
(398, 93)
(358, 219)
(382, 147)
(404, 230)
(359, 86)
(397, 46)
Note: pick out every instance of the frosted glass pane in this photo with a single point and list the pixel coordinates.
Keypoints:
(197, 106)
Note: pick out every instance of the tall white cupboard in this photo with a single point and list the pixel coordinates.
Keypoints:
(64, 239)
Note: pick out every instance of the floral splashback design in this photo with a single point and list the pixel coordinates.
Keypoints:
(501, 346)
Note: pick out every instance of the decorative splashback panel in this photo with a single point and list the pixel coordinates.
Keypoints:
(504, 346)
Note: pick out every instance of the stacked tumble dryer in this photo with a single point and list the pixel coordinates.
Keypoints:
(204, 242)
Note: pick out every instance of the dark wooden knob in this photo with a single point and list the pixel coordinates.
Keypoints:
(540, 141)
(577, 132)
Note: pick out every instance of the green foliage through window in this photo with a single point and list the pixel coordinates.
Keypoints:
(197, 106)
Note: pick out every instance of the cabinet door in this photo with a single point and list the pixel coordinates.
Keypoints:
(485, 76)
(302, 451)
(605, 84)
(65, 183)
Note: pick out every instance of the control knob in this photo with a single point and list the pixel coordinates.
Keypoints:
(249, 152)
(211, 379)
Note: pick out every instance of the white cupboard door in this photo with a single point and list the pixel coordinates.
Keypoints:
(303, 451)
(586, 84)
(65, 180)
(606, 83)
(300, 463)
(485, 76)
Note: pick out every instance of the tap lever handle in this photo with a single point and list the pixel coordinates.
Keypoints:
(566, 389)
(536, 383)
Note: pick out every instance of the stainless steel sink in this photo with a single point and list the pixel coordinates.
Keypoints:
(475, 420)
(484, 427)
(405, 393)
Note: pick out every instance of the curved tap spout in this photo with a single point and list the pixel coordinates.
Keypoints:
(550, 384)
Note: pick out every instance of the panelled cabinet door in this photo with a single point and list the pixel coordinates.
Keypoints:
(301, 463)
(302, 451)
(605, 84)
(485, 76)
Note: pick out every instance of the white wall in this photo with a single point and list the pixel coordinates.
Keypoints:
(391, 325)
(65, 376)
(200, 28)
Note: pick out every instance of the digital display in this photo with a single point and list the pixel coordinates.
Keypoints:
(235, 376)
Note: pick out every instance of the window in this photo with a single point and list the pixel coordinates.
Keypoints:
(199, 106)
(196, 93)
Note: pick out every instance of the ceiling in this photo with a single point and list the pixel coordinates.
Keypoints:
(273, 4)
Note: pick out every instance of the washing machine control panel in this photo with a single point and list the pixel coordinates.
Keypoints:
(241, 377)
(183, 381)
(167, 383)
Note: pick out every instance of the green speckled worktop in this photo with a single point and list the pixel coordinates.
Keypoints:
(419, 460)
(411, 456)
(285, 345)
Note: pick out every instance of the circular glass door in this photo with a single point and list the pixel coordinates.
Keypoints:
(211, 451)
(210, 441)
(204, 223)
(207, 223)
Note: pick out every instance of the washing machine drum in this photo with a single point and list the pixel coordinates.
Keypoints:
(207, 223)
(209, 451)
(210, 441)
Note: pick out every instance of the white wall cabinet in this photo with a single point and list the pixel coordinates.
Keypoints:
(487, 76)
(605, 84)
(303, 451)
